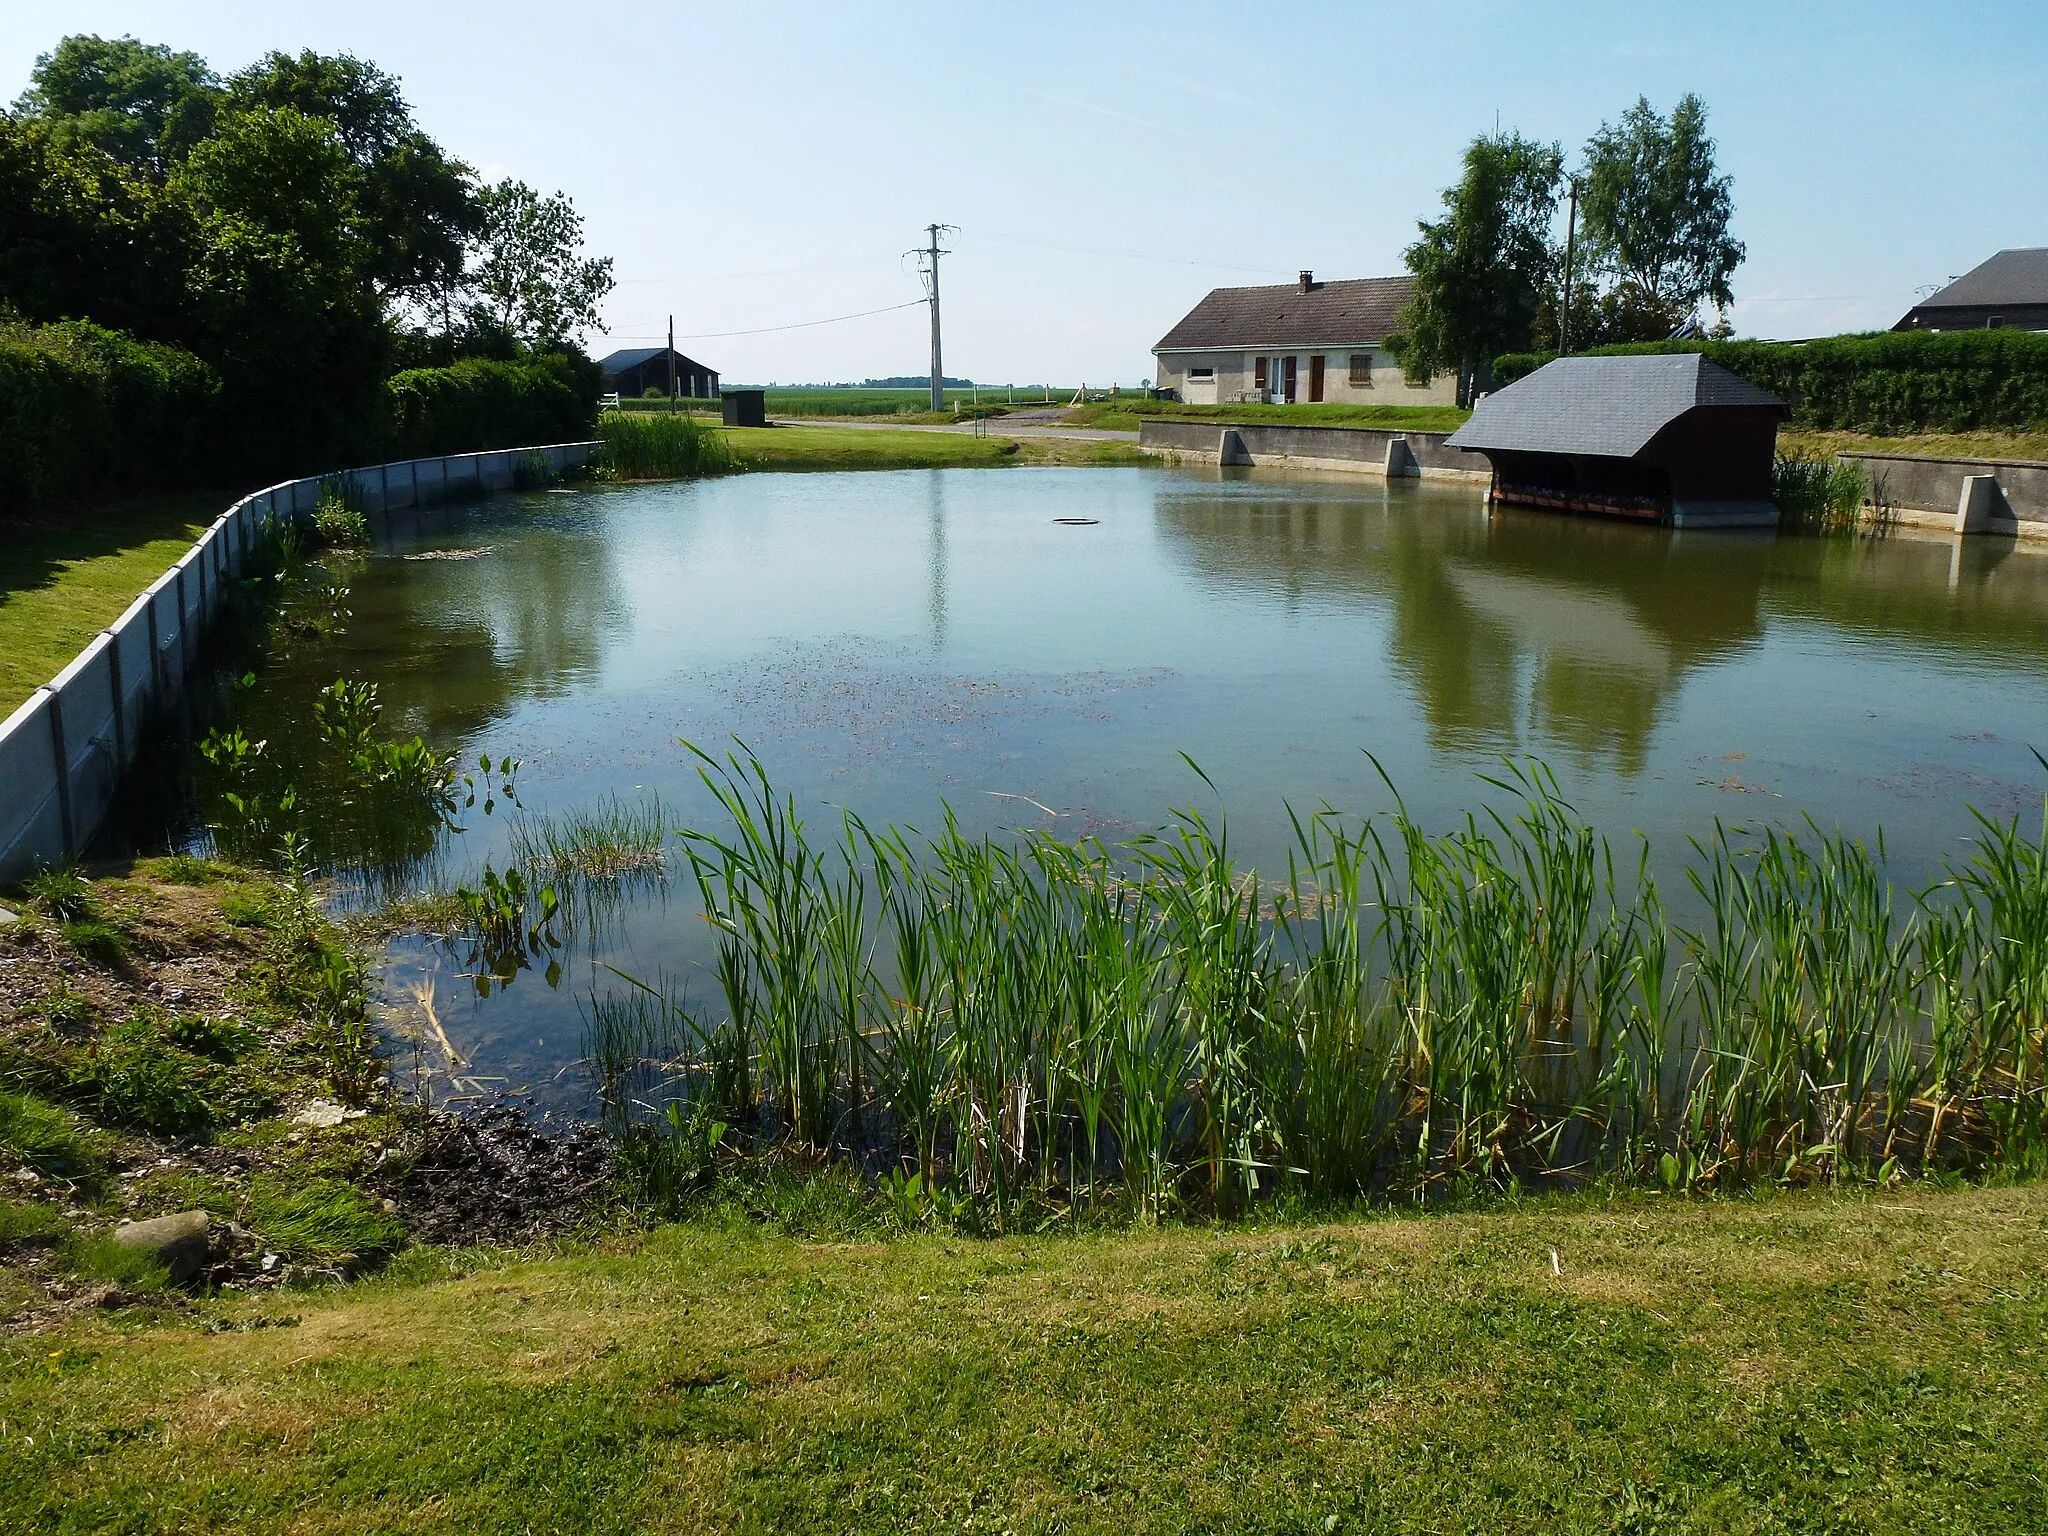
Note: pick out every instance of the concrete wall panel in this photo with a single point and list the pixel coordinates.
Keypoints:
(1348, 450)
(31, 823)
(83, 695)
(90, 715)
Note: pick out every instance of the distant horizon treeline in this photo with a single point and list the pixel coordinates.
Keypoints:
(207, 278)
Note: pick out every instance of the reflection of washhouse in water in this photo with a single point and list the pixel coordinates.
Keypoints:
(935, 594)
(1504, 625)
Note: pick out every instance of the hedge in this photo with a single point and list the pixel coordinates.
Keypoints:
(479, 403)
(85, 411)
(1888, 382)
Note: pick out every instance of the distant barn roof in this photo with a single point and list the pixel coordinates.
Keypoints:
(1350, 310)
(631, 357)
(2013, 277)
(1606, 406)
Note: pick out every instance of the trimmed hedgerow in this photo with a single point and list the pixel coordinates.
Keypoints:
(89, 411)
(1888, 382)
(480, 403)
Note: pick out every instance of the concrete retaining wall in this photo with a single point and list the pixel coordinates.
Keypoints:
(1283, 445)
(1927, 492)
(62, 753)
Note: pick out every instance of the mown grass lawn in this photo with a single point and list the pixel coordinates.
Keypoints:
(767, 448)
(61, 582)
(1805, 1363)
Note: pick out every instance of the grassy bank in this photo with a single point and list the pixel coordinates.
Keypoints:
(159, 1027)
(1800, 1363)
(1126, 413)
(865, 448)
(65, 579)
(1934, 445)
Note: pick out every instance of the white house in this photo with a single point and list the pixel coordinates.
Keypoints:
(1299, 342)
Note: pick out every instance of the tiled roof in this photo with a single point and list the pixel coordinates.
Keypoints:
(2011, 277)
(1352, 311)
(1609, 407)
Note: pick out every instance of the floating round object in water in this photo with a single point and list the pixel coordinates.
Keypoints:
(1078, 522)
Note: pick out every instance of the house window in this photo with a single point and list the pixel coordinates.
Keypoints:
(1361, 370)
(1259, 374)
(1201, 373)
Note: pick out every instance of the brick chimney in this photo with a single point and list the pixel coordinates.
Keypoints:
(1308, 281)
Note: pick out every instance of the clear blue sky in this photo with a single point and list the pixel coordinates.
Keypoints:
(751, 165)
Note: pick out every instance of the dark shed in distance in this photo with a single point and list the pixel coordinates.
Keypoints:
(638, 369)
(2008, 291)
(746, 407)
(1665, 438)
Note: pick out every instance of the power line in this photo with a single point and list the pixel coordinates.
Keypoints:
(763, 330)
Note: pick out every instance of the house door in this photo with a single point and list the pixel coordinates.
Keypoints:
(1315, 379)
(1293, 371)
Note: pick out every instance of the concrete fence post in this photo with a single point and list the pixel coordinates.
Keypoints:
(184, 624)
(63, 764)
(120, 703)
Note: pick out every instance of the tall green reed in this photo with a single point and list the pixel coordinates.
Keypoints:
(1011, 1022)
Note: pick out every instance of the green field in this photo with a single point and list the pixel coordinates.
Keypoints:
(62, 583)
(1790, 1363)
(868, 448)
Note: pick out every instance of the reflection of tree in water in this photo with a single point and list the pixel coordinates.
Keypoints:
(1571, 630)
(455, 644)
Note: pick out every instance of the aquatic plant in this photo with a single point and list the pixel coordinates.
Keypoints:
(660, 447)
(611, 840)
(1824, 495)
(995, 1024)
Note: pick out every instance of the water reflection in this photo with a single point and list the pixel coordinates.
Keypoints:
(1515, 631)
(475, 610)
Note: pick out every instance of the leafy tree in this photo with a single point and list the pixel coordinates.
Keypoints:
(85, 236)
(140, 103)
(1656, 213)
(1480, 270)
(418, 204)
(529, 277)
(281, 278)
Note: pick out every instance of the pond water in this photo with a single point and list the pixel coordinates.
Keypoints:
(899, 642)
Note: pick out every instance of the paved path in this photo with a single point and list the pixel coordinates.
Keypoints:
(999, 426)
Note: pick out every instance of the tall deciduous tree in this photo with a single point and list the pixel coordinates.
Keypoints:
(140, 103)
(529, 274)
(418, 204)
(1657, 209)
(1480, 269)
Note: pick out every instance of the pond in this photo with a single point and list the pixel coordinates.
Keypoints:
(1039, 647)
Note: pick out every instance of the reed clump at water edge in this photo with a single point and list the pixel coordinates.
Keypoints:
(640, 446)
(1030, 1022)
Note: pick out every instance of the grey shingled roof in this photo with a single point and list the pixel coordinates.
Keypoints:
(2011, 277)
(631, 357)
(1607, 406)
(1350, 311)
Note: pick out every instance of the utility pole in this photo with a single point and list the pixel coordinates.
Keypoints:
(1564, 311)
(671, 365)
(930, 255)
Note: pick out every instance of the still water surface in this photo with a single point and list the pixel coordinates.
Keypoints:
(895, 642)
